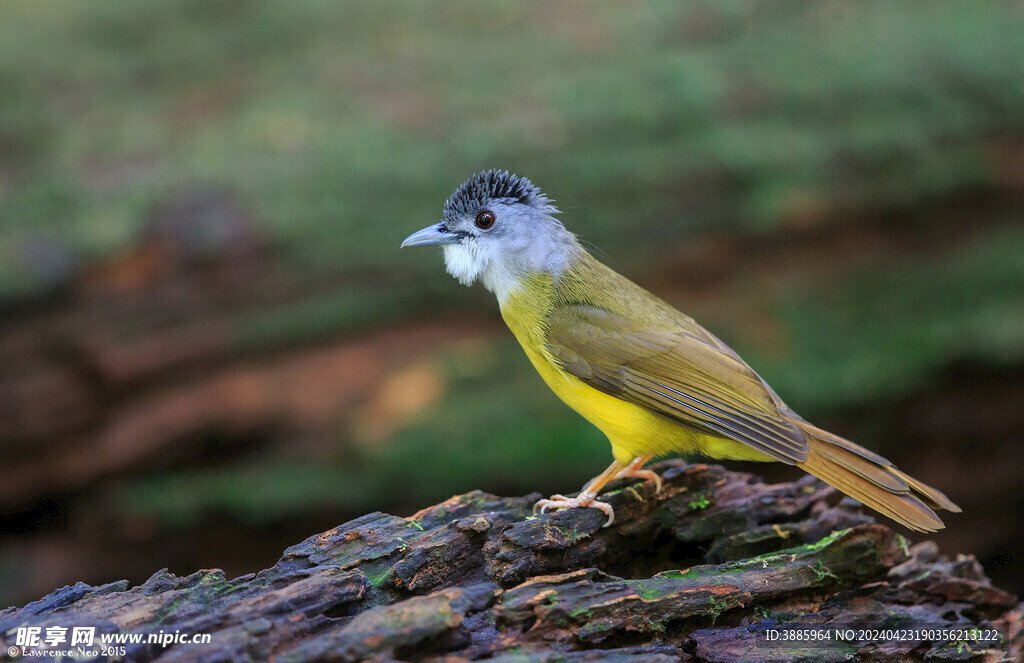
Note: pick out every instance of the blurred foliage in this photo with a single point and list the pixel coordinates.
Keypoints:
(342, 126)
(464, 444)
(882, 334)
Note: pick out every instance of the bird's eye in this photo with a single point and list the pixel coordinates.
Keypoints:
(485, 219)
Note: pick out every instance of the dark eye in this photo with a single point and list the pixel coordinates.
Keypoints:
(485, 219)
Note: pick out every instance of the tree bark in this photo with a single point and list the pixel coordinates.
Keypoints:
(718, 566)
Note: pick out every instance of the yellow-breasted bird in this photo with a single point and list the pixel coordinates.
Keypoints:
(652, 379)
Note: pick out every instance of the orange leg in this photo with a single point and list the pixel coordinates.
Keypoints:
(633, 471)
(587, 497)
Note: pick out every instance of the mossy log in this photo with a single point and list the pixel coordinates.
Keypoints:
(706, 570)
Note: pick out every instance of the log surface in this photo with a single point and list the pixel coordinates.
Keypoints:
(706, 570)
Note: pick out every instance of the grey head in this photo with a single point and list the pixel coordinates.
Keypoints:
(498, 228)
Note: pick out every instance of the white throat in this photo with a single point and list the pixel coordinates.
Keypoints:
(501, 263)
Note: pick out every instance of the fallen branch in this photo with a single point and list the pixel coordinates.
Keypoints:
(710, 569)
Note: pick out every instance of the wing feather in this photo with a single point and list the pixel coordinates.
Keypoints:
(687, 375)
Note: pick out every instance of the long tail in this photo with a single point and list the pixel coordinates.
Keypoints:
(872, 480)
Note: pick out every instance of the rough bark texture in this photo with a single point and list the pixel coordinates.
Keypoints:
(703, 571)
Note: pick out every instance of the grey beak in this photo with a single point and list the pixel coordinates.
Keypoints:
(434, 235)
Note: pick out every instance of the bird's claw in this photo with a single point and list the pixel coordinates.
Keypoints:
(646, 475)
(584, 500)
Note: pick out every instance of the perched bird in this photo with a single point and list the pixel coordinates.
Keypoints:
(652, 379)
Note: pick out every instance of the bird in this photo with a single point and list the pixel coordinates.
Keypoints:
(647, 375)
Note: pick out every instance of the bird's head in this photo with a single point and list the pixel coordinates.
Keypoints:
(498, 228)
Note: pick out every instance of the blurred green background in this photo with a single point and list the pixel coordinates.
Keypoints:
(211, 346)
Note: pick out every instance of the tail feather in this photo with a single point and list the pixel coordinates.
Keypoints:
(933, 497)
(872, 480)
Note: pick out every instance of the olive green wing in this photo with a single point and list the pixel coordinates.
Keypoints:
(685, 374)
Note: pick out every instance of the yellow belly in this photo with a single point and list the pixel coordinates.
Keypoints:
(632, 430)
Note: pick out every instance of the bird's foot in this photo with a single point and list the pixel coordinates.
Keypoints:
(646, 475)
(634, 471)
(585, 499)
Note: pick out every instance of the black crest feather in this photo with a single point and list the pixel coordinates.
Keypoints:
(490, 185)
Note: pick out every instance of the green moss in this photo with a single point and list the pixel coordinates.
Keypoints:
(823, 573)
(378, 572)
(806, 548)
(579, 613)
(701, 503)
(704, 570)
(592, 628)
(716, 607)
(168, 609)
(656, 588)
(904, 545)
(571, 534)
(777, 616)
